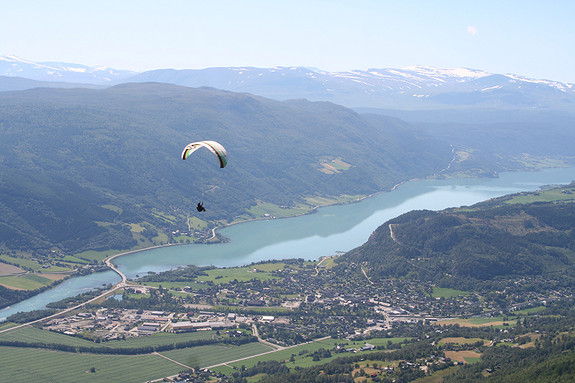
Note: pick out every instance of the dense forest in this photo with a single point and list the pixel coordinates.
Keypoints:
(9, 296)
(100, 169)
(78, 165)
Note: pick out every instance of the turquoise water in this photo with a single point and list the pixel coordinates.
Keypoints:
(328, 231)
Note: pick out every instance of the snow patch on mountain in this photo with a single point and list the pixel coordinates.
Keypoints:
(464, 73)
(492, 88)
(410, 87)
(11, 65)
(554, 84)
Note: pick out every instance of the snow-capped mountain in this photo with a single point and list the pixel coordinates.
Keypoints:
(410, 88)
(415, 87)
(370, 81)
(12, 66)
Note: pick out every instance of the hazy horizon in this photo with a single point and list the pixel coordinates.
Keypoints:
(529, 38)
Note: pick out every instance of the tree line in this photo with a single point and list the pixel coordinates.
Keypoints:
(101, 349)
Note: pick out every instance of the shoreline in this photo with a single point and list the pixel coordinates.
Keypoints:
(108, 261)
(315, 208)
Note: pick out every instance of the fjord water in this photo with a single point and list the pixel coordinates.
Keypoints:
(330, 230)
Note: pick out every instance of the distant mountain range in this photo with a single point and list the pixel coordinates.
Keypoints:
(410, 88)
(12, 66)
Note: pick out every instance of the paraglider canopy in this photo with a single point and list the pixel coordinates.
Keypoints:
(216, 148)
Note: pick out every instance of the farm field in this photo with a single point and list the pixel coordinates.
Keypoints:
(34, 335)
(33, 265)
(549, 195)
(29, 281)
(225, 275)
(25, 365)
(530, 311)
(204, 356)
(173, 285)
(6, 325)
(162, 338)
(441, 292)
(480, 322)
(6, 269)
(460, 341)
(268, 267)
(305, 360)
(242, 274)
(97, 255)
(383, 341)
(265, 209)
(309, 362)
(31, 364)
(284, 355)
(463, 356)
(325, 201)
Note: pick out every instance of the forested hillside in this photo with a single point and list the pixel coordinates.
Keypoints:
(512, 237)
(77, 166)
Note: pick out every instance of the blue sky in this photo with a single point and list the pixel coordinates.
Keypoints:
(530, 38)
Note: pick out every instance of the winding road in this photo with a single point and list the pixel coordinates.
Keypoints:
(123, 283)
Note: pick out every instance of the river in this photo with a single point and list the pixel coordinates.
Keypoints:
(330, 230)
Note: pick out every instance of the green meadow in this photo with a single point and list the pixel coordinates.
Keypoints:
(25, 281)
(242, 274)
(267, 210)
(441, 292)
(174, 285)
(33, 364)
(35, 266)
(302, 354)
(35, 335)
(25, 365)
(97, 255)
(566, 194)
(529, 311)
(205, 356)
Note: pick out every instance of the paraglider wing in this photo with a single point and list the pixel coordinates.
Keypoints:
(216, 148)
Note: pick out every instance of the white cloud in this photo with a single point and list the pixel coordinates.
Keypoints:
(472, 30)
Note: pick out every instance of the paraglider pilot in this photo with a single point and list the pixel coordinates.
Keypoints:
(200, 206)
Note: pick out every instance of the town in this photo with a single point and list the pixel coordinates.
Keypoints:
(312, 310)
(291, 301)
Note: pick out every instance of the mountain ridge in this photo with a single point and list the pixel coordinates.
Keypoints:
(516, 236)
(13, 66)
(409, 88)
(119, 149)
